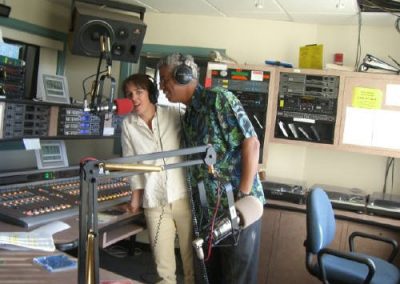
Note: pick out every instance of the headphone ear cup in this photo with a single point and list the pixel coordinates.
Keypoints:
(183, 74)
(154, 95)
(153, 91)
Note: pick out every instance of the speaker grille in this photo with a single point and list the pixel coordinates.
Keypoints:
(89, 22)
(89, 36)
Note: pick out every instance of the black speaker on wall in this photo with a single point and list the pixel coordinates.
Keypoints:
(125, 30)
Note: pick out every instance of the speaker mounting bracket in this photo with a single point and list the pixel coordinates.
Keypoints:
(117, 5)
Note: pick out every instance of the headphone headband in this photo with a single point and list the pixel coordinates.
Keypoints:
(183, 72)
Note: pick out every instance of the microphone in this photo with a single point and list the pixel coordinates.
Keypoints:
(198, 246)
(119, 107)
(249, 210)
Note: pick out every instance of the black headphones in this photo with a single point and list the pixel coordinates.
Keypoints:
(183, 73)
(153, 90)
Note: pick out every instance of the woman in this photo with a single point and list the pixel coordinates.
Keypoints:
(163, 195)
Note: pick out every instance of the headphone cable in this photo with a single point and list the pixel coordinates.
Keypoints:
(155, 241)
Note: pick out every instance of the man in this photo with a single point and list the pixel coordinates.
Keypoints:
(217, 117)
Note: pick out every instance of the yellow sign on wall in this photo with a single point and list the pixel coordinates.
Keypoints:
(367, 98)
(311, 56)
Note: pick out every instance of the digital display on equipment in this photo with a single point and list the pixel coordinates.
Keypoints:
(52, 154)
(54, 89)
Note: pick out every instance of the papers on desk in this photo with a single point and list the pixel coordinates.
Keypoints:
(27, 240)
(38, 239)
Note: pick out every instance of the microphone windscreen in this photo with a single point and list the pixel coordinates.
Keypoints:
(123, 106)
(249, 209)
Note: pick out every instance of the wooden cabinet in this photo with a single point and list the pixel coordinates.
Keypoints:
(329, 109)
(305, 107)
(282, 251)
(370, 114)
(282, 254)
(350, 111)
(368, 246)
(269, 228)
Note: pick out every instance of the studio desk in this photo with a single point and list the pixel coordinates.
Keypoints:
(18, 267)
(282, 251)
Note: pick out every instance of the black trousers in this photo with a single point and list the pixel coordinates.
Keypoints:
(236, 264)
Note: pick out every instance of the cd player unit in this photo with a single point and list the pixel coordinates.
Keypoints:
(285, 190)
(384, 204)
(352, 199)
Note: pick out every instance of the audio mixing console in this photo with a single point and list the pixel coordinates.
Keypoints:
(38, 201)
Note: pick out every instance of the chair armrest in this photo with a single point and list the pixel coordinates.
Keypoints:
(395, 247)
(357, 258)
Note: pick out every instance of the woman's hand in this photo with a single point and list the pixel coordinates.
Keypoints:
(135, 204)
(129, 207)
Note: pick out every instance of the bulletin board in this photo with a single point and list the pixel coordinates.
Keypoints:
(371, 114)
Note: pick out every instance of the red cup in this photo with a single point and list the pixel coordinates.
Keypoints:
(338, 58)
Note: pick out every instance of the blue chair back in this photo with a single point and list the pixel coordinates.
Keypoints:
(321, 225)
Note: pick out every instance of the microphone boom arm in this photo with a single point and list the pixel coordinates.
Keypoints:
(91, 170)
(96, 102)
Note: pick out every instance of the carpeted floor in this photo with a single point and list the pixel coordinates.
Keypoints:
(134, 263)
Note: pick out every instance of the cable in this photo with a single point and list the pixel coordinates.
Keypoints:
(203, 269)
(389, 163)
(87, 78)
(384, 5)
(96, 81)
(196, 231)
(358, 53)
(393, 165)
(155, 241)
(210, 238)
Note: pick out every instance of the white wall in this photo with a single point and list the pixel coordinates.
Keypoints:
(40, 12)
(249, 41)
(379, 41)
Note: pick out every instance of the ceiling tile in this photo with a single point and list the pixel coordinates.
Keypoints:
(246, 6)
(197, 7)
(336, 12)
(247, 9)
(320, 6)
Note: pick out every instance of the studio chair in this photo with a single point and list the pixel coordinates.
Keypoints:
(333, 266)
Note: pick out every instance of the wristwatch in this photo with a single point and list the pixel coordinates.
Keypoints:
(241, 194)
